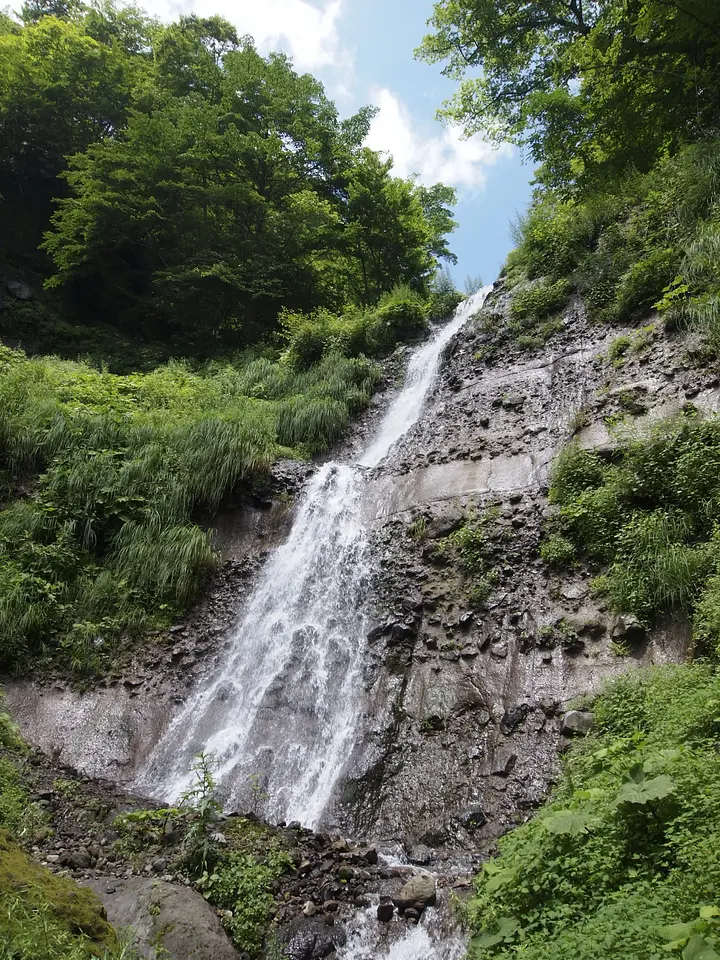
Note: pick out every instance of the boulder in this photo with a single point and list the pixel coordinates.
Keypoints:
(504, 763)
(419, 892)
(447, 519)
(167, 920)
(628, 629)
(577, 723)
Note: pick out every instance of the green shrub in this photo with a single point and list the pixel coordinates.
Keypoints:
(644, 240)
(618, 350)
(622, 850)
(552, 237)
(540, 300)
(399, 315)
(242, 885)
(651, 516)
(558, 551)
(444, 298)
(640, 286)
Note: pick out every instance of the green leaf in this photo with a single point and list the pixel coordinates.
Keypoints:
(677, 932)
(567, 823)
(499, 879)
(507, 928)
(641, 791)
(699, 949)
(708, 911)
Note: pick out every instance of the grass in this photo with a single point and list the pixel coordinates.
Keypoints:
(105, 477)
(44, 917)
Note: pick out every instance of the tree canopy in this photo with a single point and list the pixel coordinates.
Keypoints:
(588, 87)
(189, 188)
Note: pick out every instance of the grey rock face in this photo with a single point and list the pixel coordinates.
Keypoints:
(168, 921)
(466, 716)
(21, 291)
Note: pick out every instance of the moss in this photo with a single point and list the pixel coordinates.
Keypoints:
(76, 909)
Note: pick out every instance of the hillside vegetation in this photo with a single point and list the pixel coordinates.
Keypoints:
(617, 103)
(213, 261)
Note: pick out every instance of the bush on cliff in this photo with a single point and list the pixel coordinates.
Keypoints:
(648, 520)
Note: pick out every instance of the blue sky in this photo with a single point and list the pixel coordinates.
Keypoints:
(362, 50)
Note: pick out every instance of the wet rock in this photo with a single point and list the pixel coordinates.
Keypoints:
(165, 915)
(310, 939)
(504, 763)
(403, 630)
(574, 591)
(577, 723)
(421, 854)
(473, 817)
(513, 717)
(385, 912)
(419, 892)
(368, 854)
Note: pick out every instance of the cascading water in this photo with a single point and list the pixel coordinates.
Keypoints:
(279, 714)
(401, 941)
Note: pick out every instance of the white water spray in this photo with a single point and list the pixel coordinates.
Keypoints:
(280, 712)
(399, 940)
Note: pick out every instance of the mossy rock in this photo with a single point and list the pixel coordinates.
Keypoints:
(75, 908)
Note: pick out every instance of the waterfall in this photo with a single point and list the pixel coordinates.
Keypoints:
(279, 712)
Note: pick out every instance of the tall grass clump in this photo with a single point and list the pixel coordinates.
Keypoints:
(649, 520)
(106, 478)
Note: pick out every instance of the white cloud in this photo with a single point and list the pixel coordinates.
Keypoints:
(306, 30)
(446, 158)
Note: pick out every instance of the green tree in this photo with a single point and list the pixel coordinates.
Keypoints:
(586, 87)
(225, 199)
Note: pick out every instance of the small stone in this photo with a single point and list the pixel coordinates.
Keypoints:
(309, 909)
(577, 723)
